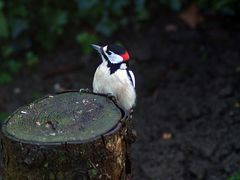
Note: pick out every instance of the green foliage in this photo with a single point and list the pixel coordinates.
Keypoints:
(33, 27)
(226, 7)
(6, 51)
(3, 26)
(38, 26)
(36, 95)
(235, 176)
(141, 10)
(5, 77)
(13, 65)
(3, 116)
(175, 5)
(3, 22)
(86, 38)
(31, 59)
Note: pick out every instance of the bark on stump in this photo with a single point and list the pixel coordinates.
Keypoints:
(71, 135)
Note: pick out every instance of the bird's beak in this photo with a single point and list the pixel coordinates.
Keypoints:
(96, 47)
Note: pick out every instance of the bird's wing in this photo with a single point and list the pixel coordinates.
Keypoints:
(127, 74)
(132, 77)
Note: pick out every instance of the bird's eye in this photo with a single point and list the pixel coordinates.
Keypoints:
(109, 52)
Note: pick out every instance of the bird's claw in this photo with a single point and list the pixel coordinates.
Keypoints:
(84, 90)
(112, 97)
(129, 113)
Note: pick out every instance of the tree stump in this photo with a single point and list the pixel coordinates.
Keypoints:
(72, 135)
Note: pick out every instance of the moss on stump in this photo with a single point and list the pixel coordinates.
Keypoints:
(71, 135)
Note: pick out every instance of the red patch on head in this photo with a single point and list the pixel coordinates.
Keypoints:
(125, 56)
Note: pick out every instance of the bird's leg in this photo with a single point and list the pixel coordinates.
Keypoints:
(131, 113)
(84, 90)
(112, 97)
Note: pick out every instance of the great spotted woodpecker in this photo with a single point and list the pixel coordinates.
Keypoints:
(114, 77)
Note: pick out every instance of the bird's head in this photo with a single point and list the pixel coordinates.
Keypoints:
(112, 53)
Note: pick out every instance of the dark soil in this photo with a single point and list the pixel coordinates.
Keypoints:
(188, 85)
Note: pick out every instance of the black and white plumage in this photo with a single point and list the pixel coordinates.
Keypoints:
(113, 75)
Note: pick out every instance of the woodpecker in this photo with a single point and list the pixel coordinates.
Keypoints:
(114, 77)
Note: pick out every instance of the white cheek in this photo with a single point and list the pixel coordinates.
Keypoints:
(105, 48)
(115, 58)
(123, 66)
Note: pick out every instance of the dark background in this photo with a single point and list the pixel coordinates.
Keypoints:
(186, 58)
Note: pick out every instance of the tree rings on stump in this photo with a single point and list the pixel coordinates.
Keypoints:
(70, 135)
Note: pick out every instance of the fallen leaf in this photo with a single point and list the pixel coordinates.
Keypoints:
(167, 136)
(191, 16)
(171, 28)
(237, 104)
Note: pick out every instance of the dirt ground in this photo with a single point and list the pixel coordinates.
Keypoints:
(188, 107)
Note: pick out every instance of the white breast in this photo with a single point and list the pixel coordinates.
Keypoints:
(118, 84)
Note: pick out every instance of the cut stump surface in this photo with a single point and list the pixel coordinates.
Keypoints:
(71, 135)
